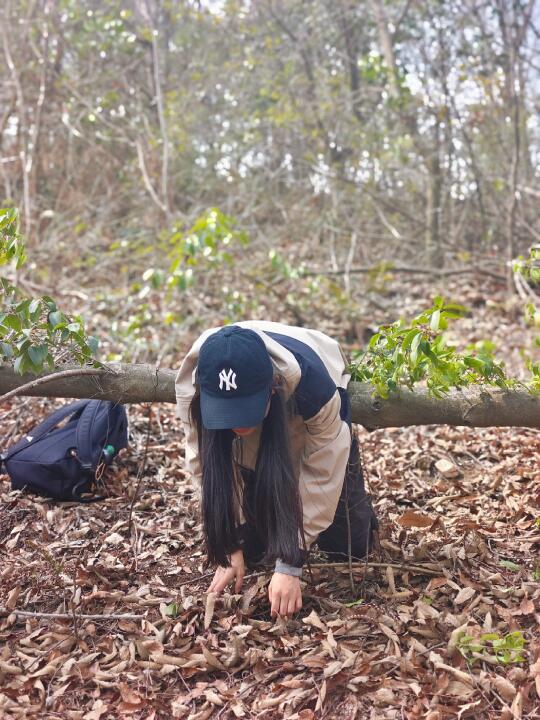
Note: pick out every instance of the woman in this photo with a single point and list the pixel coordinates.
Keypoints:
(268, 438)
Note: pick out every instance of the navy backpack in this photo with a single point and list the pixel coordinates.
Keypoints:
(61, 462)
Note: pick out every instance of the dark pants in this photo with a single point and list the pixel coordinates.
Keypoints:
(354, 510)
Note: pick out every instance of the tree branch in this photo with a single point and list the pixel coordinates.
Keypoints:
(118, 382)
(474, 407)
(75, 372)
(478, 270)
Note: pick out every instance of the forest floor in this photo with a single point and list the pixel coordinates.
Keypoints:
(443, 621)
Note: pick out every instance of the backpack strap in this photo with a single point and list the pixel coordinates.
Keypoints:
(83, 434)
(77, 497)
(47, 425)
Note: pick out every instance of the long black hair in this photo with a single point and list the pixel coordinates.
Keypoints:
(276, 507)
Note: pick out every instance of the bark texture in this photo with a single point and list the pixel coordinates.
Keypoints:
(121, 382)
(474, 407)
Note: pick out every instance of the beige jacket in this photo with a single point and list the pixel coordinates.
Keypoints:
(320, 444)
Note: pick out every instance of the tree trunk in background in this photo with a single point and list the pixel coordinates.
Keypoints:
(514, 22)
(387, 45)
(429, 155)
(434, 250)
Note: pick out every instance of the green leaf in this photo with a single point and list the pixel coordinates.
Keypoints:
(6, 350)
(93, 344)
(435, 320)
(56, 318)
(34, 306)
(50, 303)
(510, 565)
(354, 603)
(20, 364)
(171, 610)
(409, 337)
(414, 346)
(13, 321)
(37, 355)
(475, 364)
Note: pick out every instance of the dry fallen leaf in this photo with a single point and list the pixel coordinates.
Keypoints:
(460, 689)
(463, 595)
(517, 706)
(11, 601)
(412, 519)
(535, 673)
(447, 469)
(504, 687)
(314, 621)
(114, 539)
(98, 709)
(383, 697)
(333, 668)
(209, 611)
(466, 709)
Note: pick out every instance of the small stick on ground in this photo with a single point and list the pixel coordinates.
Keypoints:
(349, 539)
(67, 616)
(361, 564)
(140, 473)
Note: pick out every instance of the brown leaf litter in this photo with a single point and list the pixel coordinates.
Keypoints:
(101, 622)
(104, 618)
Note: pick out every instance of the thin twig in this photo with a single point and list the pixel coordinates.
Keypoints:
(140, 473)
(335, 565)
(73, 609)
(349, 538)
(478, 270)
(67, 616)
(142, 466)
(412, 568)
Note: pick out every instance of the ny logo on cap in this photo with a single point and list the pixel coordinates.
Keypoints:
(229, 378)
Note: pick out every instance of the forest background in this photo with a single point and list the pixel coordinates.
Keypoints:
(178, 165)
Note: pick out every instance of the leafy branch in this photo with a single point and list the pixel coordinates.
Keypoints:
(502, 650)
(205, 245)
(417, 352)
(529, 269)
(34, 333)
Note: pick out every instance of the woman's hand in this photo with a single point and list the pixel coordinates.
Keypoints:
(224, 576)
(284, 594)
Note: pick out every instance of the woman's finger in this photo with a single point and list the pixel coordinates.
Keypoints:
(298, 603)
(239, 581)
(291, 607)
(212, 585)
(226, 580)
(275, 604)
(221, 581)
(283, 605)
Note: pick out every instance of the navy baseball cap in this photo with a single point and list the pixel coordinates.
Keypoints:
(234, 373)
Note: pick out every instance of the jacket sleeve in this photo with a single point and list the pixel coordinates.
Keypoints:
(185, 389)
(323, 466)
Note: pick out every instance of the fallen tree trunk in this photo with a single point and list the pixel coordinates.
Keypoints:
(474, 407)
(121, 382)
